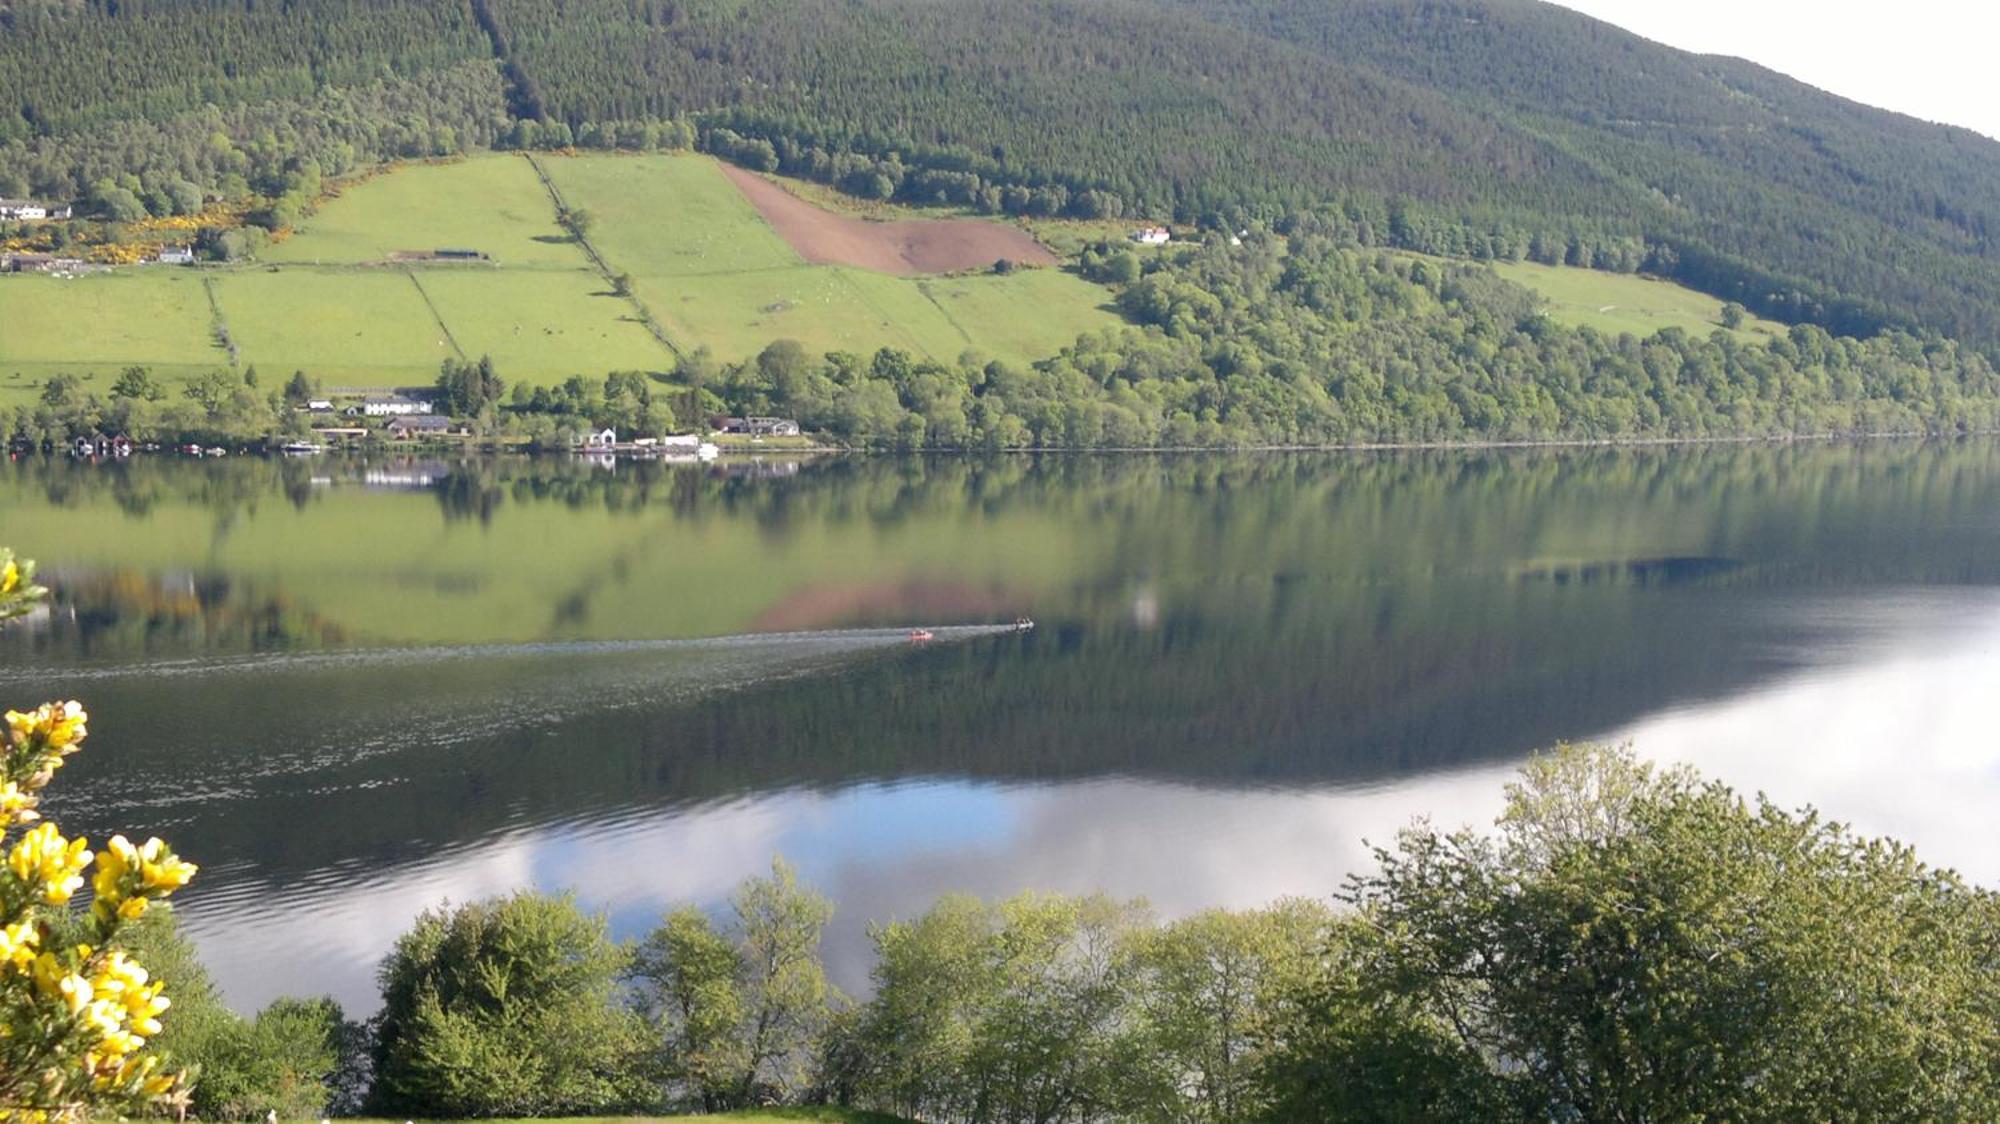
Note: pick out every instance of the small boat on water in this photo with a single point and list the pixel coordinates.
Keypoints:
(1024, 624)
(302, 449)
(921, 636)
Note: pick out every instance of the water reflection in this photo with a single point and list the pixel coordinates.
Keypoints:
(1890, 733)
(1896, 739)
(351, 690)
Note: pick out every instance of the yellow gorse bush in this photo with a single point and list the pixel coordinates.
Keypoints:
(75, 1016)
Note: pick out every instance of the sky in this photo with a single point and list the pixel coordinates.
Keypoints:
(1928, 58)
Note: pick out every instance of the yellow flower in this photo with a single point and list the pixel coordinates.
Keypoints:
(118, 857)
(55, 726)
(163, 870)
(18, 942)
(119, 973)
(10, 578)
(128, 876)
(44, 859)
(105, 1016)
(75, 992)
(16, 806)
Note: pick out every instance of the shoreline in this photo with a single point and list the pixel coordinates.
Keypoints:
(1473, 446)
(472, 451)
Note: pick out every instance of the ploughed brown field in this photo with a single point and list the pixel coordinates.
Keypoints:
(905, 247)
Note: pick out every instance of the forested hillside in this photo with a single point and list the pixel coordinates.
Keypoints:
(1309, 343)
(69, 66)
(1478, 128)
(139, 107)
(1757, 183)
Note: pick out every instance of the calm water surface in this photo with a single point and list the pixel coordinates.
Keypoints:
(354, 689)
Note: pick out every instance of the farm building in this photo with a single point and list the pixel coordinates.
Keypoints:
(421, 425)
(1153, 236)
(758, 427)
(18, 210)
(27, 263)
(390, 406)
(175, 255)
(443, 254)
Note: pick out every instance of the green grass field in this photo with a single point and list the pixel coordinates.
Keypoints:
(493, 204)
(825, 308)
(1012, 311)
(348, 327)
(1622, 302)
(669, 216)
(707, 266)
(105, 321)
(716, 274)
(542, 327)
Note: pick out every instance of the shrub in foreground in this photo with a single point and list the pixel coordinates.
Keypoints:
(1638, 945)
(739, 1011)
(505, 1008)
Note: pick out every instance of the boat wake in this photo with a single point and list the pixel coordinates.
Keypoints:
(338, 721)
(826, 641)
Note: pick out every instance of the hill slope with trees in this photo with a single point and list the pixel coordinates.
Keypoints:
(1477, 128)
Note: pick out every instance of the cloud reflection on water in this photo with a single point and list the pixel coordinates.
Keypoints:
(1902, 745)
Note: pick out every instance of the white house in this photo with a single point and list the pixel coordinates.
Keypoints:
(320, 405)
(15, 210)
(1153, 236)
(602, 439)
(393, 406)
(175, 255)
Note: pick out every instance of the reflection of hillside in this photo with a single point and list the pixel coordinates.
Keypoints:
(1233, 621)
(1283, 687)
(659, 550)
(886, 602)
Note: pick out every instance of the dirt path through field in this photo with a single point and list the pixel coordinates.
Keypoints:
(907, 247)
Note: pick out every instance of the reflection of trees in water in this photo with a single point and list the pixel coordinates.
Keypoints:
(127, 613)
(1098, 529)
(1727, 482)
(469, 491)
(1238, 621)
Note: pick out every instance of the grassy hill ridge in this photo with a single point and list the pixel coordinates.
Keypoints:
(1483, 128)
